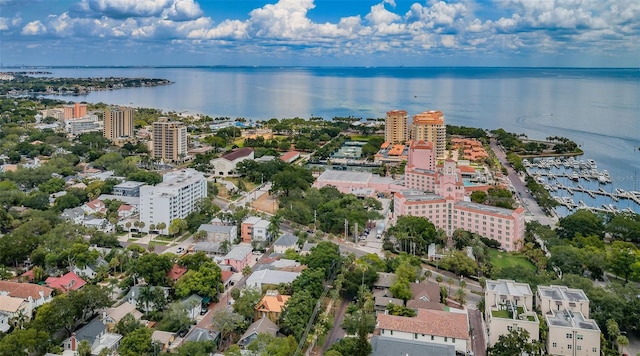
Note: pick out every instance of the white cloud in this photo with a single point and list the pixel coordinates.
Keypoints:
(7, 23)
(381, 16)
(34, 28)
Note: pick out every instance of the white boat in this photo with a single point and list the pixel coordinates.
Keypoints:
(593, 164)
(575, 177)
(602, 179)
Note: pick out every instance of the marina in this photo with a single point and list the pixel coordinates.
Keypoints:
(578, 184)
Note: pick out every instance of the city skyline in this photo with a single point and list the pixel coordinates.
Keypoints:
(564, 33)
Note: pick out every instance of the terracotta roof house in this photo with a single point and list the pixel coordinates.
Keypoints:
(95, 206)
(433, 326)
(68, 282)
(425, 295)
(262, 326)
(176, 272)
(290, 156)
(271, 305)
(35, 294)
(225, 165)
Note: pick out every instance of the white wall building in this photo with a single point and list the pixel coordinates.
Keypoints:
(172, 199)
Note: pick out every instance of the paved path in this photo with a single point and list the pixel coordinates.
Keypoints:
(337, 331)
(534, 212)
(478, 343)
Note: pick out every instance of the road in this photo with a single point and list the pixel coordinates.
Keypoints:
(534, 212)
(336, 332)
(478, 343)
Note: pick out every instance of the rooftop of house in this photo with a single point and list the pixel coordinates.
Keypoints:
(563, 293)
(90, 331)
(251, 220)
(68, 282)
(385, 280)
(508, 288)
(163, 337)
(386, 346)
(200, 334)
(116, 314)
(268, 276)
(425, 291)
(289, 155)
(11, 304)
(261, 326)
(429, 322)
(286, 240)
(25, 290)
(570, 319)
(176, 272)
(239, 252)
(238, 153)
(384, 301)
(272, 301)
(225, 229)
(344, 176)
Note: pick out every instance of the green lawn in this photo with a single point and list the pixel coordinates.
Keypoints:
(503, 260)
(500, 314)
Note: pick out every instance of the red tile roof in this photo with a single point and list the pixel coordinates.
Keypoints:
(429, 322)
(176, 272)
(24, 290)
(68, 282)
(238, 153)
(226, 275)
(289, 156)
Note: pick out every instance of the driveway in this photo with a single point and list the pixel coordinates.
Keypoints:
(478, 343)
(336, 332)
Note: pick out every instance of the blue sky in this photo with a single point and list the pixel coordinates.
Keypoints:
(580, 33)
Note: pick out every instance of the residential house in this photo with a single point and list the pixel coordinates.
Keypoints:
(36, 295)
(428, 326)
(261, 326)
(95, 333)
(133, 297)
(200, 335)
(285, 242)
(96, 206)
(560, 298)
(385, 280)
(113, 315)
(509, 306)
(290, 156)
(389, 346)
(210, 248)
(74, 215)
(68, 282)
(176, 272)
(239, 257)
(163, 338)
(266, 278)
(225, 166)
(260, 231)
(271, 305)
(246, 228)
(192, 304)
(90, 270)
(425, 295)
(219, 233)
(381, 302)
(226, 278)
(126, 211)
(13, 307)
(306, 248)
(572, 334)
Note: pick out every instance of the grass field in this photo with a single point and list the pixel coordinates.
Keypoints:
(503, 260)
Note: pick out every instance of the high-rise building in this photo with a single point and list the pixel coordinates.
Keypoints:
(429, 126)
(118, 123)
(396, 127)
(169, 140)
(74, 111)
(174, 198)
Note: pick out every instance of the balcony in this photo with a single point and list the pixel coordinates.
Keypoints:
(509, 311)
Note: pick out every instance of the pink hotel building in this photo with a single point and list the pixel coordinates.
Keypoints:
(436, 193)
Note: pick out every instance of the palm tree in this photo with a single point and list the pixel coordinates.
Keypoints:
(128, 226)
(146, 298)
(273, 229)
(450, 283)
(161, 226)
(439, 279)
(461, 296)
(427, 274)
(19, 319)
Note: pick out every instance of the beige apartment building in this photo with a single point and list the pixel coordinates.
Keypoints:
(558, 298)
(118, 123)
(429, 126)
(169, 140)
(77, 110)
(509, 306)
(396, 127)
(571, 334)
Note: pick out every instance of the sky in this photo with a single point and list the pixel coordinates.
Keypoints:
(518, 33)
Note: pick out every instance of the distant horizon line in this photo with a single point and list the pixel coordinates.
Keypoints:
(300, 66)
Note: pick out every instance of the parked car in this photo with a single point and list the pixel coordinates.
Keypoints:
(180, 250)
